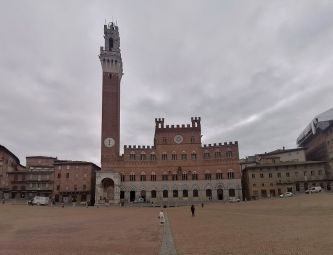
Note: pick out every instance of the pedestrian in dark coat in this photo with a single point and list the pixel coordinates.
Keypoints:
(193, 210)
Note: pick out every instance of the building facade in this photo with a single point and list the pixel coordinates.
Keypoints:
(272, 179)
(39, 176)
(74, 181)
(61, 180)
(176, 168)
(317, 139)
(284, 155)
(11, 175)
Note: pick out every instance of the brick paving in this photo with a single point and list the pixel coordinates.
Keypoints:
(296, 225)
(289, 226)
(78, 230)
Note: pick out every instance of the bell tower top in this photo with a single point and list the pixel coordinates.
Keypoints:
(110, 55)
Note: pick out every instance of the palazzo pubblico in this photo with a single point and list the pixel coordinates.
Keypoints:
(176, 169)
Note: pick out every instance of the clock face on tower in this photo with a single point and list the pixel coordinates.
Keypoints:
(109, 142)
(178, 139)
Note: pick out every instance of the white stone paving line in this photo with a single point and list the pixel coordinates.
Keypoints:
(168, 246)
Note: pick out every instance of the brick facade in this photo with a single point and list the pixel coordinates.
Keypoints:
(62, 180)
(11, 173)
(270, 180)
(177, 167)
(74, 180)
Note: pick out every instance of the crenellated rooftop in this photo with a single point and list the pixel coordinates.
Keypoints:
(141, 147)
(214, 145)
(195, 123)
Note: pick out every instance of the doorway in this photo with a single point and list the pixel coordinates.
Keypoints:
(143, 195)
(108, 189)
(220, 194)
(132, 196)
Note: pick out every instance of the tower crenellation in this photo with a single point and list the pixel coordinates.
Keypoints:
(159, 122)
(195, 123)
(110, 56)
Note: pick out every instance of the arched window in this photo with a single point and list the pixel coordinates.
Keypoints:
(184, 176)
(175, 193)
(153, 177)
(153, 194)
(174, 155)
(164, 156)
(184, 155)
(132, 155)
(195, 193)
(219, 175)
(209, 193)
(122, 177)
(208, 176)
(206, 154)
(152, 156)
(218, 154)
(132, 176)
(194, 176)
(229, 154)
(165, 193)
(110, 43)
(194, 155)
(192, 139)
(231, 174)
(143, 177)
(143, 156)
(185, 193)
(174, 176)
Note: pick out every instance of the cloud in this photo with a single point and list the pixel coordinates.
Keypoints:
(255, 72)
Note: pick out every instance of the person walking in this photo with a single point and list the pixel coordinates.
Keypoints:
(193, 210)
(161, 217)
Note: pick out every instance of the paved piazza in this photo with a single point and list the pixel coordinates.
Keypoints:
(54, 230)
(298, 225)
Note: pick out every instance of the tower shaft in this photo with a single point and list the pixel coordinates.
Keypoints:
(111, 62)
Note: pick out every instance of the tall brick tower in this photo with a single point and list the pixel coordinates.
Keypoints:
(112, 66)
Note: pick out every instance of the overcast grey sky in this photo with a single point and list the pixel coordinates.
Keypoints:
(255, 71)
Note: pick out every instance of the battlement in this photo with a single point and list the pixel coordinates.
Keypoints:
(159, 122)
(195, 123)
(110, 27)
(217, 145)
(139, 147)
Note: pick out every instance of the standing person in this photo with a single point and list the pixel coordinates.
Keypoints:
(202, 205)
(193, 210)
(161, 217)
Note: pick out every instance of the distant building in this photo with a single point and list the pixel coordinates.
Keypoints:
(62, 180)
(10, 172)
(39, 177)
(74, 180)
(177, 168)
(285, 155)
(317, 139)
(266, 175)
